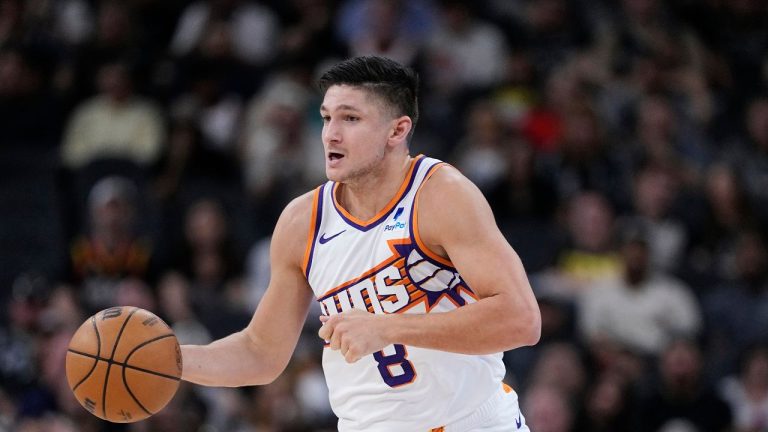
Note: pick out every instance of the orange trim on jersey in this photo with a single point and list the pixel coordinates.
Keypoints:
(507, 388)
(387, 208)
(312, 229)
(439, 429)
(469, 292)
(415, 226)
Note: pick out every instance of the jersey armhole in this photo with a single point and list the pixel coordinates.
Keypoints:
(415, 220)
(314, 227)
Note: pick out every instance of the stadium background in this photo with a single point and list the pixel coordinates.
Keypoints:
(147, 147)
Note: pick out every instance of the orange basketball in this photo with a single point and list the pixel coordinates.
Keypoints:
(124, 364)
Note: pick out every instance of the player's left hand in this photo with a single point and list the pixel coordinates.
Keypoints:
(355, 332)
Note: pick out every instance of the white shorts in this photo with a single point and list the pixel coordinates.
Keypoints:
(500, 413)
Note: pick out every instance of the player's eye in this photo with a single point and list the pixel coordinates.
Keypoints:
(326, 118)
(351, 118)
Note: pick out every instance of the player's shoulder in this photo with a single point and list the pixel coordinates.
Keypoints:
(446, 188)
(447, 181)
(297, 214)
(293, 226)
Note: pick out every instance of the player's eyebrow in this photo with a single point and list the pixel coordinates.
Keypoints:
(342, 107)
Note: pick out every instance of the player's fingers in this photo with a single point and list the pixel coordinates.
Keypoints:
(351, 357)
(344, 346)
(325, 332)
(335, 341)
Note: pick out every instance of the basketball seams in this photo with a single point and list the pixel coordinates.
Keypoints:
(136, 368)
(110, 361)
(125, 365)
(98, 354)
(142, 345)
(133, 396)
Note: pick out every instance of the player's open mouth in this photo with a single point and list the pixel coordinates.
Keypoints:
(333, 156)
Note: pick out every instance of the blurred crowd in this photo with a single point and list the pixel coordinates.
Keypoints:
(148, 146)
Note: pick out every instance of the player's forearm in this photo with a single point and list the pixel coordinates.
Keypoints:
(229, 362)
(485, 327)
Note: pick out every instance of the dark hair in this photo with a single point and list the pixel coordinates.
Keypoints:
(395, 84)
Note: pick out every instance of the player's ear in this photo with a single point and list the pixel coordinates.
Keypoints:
(401, 128)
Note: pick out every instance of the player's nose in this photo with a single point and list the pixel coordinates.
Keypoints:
(331, 132)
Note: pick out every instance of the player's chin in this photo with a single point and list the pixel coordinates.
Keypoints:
(334, 174)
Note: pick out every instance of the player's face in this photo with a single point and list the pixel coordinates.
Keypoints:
(356, 127)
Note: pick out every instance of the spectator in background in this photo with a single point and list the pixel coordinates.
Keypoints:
(116, 38)
(114, 124)
(251, 28)
(551, 30)
(665, 137)
(209, 258)
(589, 255)
(17, 335)
(463, 58)
(463, 52)
(607, 406)
(29, 115)
(397, 29)
(583, 161)
(308, 35)
(560, 365)
(482, 153)
(736, 311)
(111, 249)
(548, 409)
(654, 194)
(749, 151)
(522, 193)
(279, 152)
(682, 397)
(641, 311)
(728, 210)
(747, 392)
(176, 306)
(211, 100)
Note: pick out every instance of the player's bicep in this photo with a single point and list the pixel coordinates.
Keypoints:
(282, 310)
(468, 235)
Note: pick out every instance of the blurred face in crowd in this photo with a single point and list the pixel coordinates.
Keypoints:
(680, 366)
(115, 82)
(113, 24)
(757, 123)
(546, 409)
(656, 116)
(655, 190)
(752, 258)
(591, 222)
(636, 259)
(606, 399)
(722, 187)
(116, 215)
(756, 369)
(206, 224)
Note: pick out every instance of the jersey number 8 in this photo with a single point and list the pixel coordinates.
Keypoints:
(399, 358)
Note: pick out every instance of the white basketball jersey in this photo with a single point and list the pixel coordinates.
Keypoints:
(382, 266)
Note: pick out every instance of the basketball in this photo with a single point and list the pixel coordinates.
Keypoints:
(123, 364)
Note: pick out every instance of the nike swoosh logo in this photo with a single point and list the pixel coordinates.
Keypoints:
(324, 239)
(518, 420)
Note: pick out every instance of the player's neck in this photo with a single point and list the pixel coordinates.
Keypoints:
(366, 197)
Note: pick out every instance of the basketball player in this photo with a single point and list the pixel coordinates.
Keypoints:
(419, 290)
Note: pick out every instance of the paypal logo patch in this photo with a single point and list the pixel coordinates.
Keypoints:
(397, 224)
